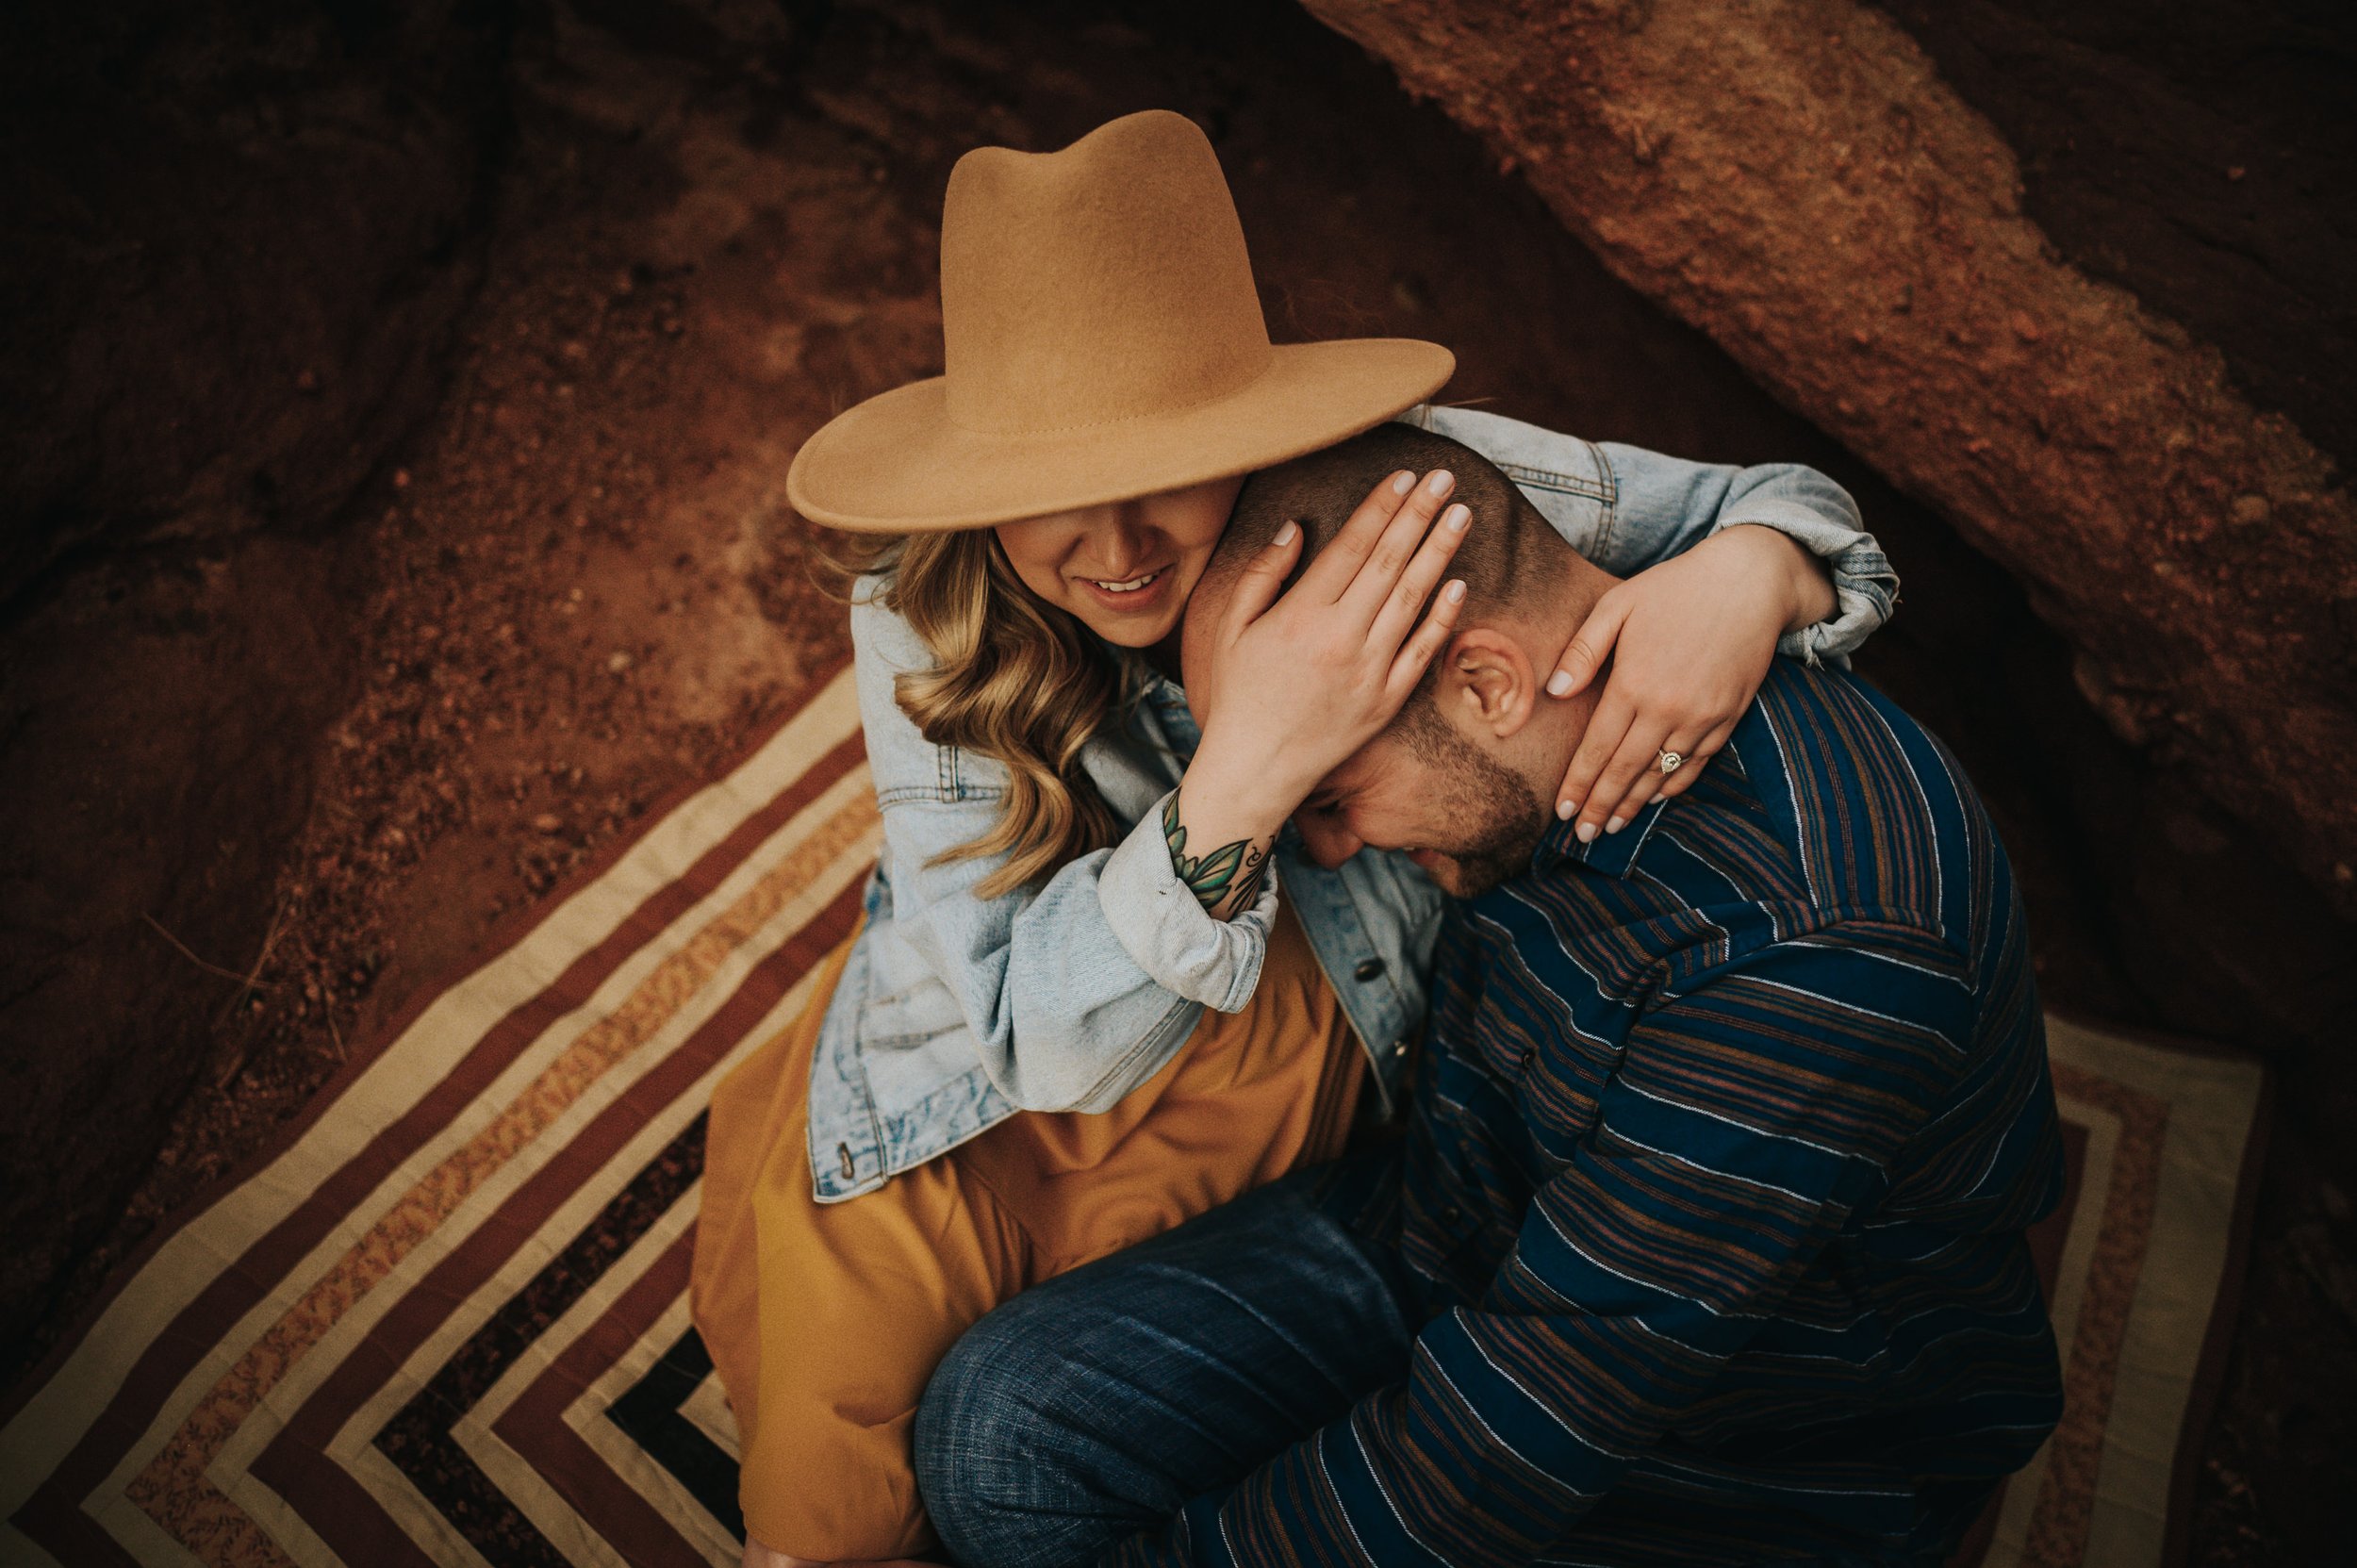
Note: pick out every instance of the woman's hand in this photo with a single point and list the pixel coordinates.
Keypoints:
(1689, 641)
(1304, 680)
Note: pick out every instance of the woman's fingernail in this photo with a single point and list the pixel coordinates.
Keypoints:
(1560, 683)
(1657, 799)
(1455, 592)
(1616, 824)
(1457, 517)
(1403, 482)
(1284, 536)
(1563, 810)
(1587, 833)
(1438, 481)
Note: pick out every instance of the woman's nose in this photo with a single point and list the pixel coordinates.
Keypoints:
(1126, 540)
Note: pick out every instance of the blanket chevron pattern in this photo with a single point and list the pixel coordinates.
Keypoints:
(443, 1319)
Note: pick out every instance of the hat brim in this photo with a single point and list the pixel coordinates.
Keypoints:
(896, 464)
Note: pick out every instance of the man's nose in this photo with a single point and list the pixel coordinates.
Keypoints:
(1327, 844)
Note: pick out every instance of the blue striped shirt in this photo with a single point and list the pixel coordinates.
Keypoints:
(1727, 1136)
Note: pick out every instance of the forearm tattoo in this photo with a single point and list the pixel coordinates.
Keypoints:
(1226, 880)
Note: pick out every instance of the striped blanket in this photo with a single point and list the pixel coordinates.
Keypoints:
(443, 1320)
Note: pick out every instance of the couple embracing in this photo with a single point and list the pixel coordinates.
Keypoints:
(1331, 1069)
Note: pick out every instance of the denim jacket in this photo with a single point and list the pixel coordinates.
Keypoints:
(954, 1012)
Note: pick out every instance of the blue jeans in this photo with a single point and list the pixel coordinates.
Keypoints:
(1092, 1407)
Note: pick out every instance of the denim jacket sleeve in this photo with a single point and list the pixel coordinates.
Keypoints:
(1627, 508)
(1070, 1004)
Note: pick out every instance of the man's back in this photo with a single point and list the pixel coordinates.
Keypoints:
(1728, 1133)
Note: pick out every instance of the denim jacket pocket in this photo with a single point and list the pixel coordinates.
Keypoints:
(907, 766)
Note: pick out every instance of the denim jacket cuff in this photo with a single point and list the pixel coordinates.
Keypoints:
(1865, 585)
(1863, 608)
(1157, 918)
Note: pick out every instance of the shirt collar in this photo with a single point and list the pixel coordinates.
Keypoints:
(1165, 699)
(1614, 854)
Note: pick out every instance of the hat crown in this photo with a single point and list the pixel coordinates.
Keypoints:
(1104, 282)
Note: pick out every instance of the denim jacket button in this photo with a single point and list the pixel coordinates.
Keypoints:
(1399, 1047)
(1368, 969)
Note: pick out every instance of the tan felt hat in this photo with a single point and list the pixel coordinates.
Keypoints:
(1103, 340)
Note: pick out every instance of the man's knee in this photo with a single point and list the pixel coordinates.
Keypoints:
(962, 1462)
(1007, 1461)
(1021, 1456)
(1228, 1337)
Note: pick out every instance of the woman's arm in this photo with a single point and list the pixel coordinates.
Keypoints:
(1708, 603)
(1627, 509)
(1097, 1011)
(1665, 506)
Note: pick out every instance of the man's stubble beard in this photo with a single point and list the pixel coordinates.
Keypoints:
(1503, 820)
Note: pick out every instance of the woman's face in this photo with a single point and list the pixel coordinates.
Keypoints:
(1125, 569)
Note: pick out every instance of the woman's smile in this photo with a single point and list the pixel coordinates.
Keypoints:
(1143, 591)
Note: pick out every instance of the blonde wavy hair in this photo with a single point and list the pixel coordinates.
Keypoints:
(1014, 679)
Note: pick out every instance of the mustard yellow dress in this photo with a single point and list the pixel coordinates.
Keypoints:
(825, 1320)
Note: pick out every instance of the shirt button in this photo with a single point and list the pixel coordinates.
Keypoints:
(1399, 1047)
(1525, 1061)
(1368, 968)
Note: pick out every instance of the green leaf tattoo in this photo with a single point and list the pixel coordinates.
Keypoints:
(1228, 879)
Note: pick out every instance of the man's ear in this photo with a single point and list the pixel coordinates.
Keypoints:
(1489, 682)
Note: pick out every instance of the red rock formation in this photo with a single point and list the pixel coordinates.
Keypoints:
(1794, 178)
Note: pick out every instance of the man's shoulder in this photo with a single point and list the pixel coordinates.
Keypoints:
(1830, 806)
(1877, 810)
(1832, 822)
(1828, 719)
